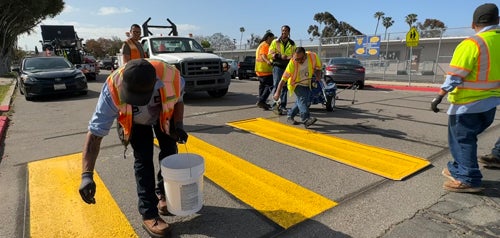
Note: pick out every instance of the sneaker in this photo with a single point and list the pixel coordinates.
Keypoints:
(490, 161)
(291, 121)
(459, 187)
(156, 227)
(162, 205)
(309, 121)
(447, 174)
(283, 111)
(263, 105)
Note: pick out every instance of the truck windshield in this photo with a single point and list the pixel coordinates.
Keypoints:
(175, 45)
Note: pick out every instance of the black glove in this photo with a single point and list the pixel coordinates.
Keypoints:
(182, 136)
(87, 188)
(435, 102)
(277, 56)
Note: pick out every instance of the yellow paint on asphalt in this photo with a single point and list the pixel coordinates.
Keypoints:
(57, 210)
(282, 201)
(387, 163)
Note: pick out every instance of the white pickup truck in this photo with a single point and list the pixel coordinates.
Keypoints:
(202, 71)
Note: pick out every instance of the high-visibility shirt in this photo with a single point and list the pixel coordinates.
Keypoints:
(169, 95)
(278, 47)
(135, 52)
(294, 76)
(261, 66)
(477, 61)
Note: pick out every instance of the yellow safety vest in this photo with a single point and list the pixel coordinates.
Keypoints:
(477, 61)
(169, 95)
(292, 75)
(261, 66)
(277, 47)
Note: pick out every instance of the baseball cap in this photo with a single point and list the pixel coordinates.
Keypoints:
(139, 78)
(486, 13)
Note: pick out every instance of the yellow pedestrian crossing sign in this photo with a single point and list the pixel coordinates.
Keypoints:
(412, 37)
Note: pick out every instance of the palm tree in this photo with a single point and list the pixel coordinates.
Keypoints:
(387, 22)
(242, 29)
(410, 19)
(378, 15)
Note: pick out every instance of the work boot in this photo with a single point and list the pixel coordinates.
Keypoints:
(447, 174)
(291, 121)
(156, 227)
(309, 121)
(490, 161)
(263, 105)
(162, 205)
(459, 187)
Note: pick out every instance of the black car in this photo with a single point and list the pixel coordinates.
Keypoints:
(343, 70)
(41, 76)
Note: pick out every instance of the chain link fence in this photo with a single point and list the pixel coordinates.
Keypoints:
(393, 60)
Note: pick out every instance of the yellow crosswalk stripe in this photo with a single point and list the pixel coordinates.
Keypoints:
(57, 210)
(387, 163)
(282, 201)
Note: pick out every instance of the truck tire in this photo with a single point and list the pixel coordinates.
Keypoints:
(217, 93)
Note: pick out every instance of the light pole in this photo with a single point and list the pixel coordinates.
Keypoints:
(242, 29)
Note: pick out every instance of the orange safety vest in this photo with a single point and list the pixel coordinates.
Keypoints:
(169, 95)
(135, 53)
(261, 66)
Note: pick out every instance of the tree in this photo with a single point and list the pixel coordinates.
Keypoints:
(387, 22)
(254, 41)
(377, 16)
(410, 19)
(219, 42)
(102, 47)
(431, 28)
(205, 44)
(242, 29)
(19, 17)
(332, 28)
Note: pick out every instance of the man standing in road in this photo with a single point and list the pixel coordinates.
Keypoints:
(473, 84)
(264, 70)
(144, 96)
(298, 76)
(281, 51)
(132, 48)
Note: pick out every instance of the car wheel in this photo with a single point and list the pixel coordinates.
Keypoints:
(28, 98)
(330, 103)
(217, 93)
(21, 86)
(361, 84)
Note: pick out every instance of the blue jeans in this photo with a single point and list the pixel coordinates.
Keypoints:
(277, 74)
(463, 130)
(496, 149)
(141, 140)
(302, 103)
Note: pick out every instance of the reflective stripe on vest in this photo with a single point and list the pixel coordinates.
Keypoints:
(482, 81)
(134, 51)
(169, 95)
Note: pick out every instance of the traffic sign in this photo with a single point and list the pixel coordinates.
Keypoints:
(412, 37)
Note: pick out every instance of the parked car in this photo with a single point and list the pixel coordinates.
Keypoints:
(246, 68)
(343, 70)
(41, 76)
(233, 68)
(108, 63)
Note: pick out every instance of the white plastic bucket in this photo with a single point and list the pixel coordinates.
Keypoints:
(183, 181)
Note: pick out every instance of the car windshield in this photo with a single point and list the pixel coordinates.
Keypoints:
(175, 45)
(350, 61)
(46, 63)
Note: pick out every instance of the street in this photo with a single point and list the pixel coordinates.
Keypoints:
(362, 204)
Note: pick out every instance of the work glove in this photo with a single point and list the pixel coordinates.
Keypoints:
(435, 102)
(182, 136)
(87, 188)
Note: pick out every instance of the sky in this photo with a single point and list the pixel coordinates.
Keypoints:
(93, 19)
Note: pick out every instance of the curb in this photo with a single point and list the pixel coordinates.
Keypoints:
(3, 125)
(5, 105)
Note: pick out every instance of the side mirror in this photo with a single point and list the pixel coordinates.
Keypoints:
(15, 69)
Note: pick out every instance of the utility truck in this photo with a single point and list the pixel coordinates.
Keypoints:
(62, 40)
(202, 71)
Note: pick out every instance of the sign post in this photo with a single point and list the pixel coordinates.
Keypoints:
(412, 38)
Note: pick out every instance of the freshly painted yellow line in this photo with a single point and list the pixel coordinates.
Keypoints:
(387, 163)
(282, 201)
(57, 210)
